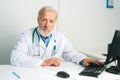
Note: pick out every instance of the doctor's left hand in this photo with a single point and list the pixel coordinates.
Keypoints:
(51, 62)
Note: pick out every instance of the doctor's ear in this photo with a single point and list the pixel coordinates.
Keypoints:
(38, 19)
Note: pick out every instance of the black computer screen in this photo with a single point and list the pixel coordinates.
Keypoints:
(114, 49)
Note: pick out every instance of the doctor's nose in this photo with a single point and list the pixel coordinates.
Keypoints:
(47, 24)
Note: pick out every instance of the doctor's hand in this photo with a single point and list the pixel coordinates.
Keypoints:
(88, 61)
(51, 62)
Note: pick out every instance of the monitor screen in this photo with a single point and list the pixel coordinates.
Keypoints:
(114, 48)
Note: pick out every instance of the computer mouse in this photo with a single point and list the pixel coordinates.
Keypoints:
(63, 74)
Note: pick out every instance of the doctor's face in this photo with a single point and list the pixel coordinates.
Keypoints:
(46, 22)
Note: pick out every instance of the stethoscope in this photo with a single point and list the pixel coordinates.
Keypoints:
(33, 37)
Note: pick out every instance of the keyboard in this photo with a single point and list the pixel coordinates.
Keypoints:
(93, 70)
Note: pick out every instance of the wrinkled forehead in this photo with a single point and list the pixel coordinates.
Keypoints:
(48, 15)
(43, 12)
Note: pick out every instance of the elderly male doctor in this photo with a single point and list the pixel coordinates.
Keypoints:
(42, 46)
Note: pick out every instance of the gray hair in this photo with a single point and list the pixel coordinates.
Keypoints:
(45, 9)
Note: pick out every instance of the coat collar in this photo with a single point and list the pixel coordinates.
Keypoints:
(51, 43)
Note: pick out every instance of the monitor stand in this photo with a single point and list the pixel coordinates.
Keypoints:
(114, 69)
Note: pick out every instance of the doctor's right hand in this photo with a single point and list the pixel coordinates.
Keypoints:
(51, 62)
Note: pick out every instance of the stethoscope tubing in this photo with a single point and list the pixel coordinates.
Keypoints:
(33, 35)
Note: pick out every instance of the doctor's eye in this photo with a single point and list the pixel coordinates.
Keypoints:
(51, 21)
(43, 20)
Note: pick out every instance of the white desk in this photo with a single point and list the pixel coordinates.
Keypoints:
(49, 73)
(97, 54)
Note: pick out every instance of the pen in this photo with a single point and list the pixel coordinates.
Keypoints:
(15, 74)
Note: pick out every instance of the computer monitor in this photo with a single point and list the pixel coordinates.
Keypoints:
(114, 50)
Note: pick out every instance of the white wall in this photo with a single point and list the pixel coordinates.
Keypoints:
(17, 16)
(87, 23)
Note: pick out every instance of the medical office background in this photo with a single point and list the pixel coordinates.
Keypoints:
(88, 24)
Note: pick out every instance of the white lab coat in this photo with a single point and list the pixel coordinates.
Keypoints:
(24, 52)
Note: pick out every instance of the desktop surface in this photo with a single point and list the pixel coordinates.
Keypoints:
(97, 54)
(8, 72)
